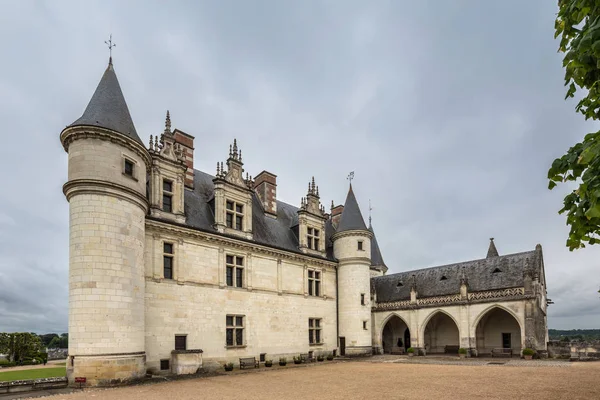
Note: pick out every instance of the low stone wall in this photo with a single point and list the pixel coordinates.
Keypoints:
(576, 351)
(32, 385)
(185, 362)
(107, 369)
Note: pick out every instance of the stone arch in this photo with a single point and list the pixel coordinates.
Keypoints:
(395, 334)
(490, 308)
(498, 327)
(443, 335)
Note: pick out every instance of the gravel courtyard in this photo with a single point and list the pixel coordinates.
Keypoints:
(376, 380)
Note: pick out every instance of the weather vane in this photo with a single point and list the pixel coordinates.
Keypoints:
(350, 177)
(110, 45)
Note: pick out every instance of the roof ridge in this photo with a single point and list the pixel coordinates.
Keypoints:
(457, 263)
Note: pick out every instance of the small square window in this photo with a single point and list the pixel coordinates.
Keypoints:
(360, 245)
(128, 168)
(364, 325)
(164, 365)
(167, 186)
(168, 248)
(180, 342)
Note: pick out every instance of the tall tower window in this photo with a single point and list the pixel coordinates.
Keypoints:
(360, 245)
(312, 238)
(235, 270)
(314, 283)
(128, 167)
(167, 195)
(168, 260)
(362, 299)
(235, 215)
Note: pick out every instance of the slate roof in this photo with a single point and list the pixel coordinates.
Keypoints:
(480, 274)
(376, 258)
(351, 218)
(108, 109)
(279, 232)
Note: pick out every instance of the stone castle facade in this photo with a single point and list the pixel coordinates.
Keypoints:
(172, 269)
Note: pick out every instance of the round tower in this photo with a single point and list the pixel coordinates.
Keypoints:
(106, 191)
(352, 248)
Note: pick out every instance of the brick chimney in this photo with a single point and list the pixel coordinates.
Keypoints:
(336, 214)
(187, 142)
(265, 186)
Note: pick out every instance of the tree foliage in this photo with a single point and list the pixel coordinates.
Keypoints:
(578, 25)
(20, 345)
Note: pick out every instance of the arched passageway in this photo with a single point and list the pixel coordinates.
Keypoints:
(441, 335)
(395, 336)
(498, 329)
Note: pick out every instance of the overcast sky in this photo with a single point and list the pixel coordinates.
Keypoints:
(449, 112)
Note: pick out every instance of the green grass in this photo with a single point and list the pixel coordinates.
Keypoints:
(33, 374)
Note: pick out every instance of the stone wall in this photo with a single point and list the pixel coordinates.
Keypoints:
(274, 302)
(576, 351)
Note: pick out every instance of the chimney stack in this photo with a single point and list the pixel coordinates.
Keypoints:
(265, 186)
(187, 142)
(336, 214)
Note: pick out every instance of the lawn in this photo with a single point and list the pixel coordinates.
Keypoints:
(32, 374)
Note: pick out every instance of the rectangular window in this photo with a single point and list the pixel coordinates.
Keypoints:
(128, 168)
(168, 260)
(362, 299)
(234, 217)
(365, 325)
(164, 365)
(180, 342)
(234, 334)
(314, 283)
(234, 266)
(314, 331)
(167, 195)
(360, 245)
(312, 238)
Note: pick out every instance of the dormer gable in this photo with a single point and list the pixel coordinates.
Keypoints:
(167, 176)
(311, 222)
(233, 196)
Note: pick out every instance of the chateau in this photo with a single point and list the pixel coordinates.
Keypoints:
(172, 269)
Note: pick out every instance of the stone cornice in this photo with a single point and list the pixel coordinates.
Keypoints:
(72, 133)
(94, 186)
(240, 243)
(509, 294)
(338, 235)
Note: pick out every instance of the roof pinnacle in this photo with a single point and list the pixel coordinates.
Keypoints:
(492, 251)
(168, 124)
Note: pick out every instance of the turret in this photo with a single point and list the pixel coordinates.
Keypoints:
(106, 191)
(352, 248)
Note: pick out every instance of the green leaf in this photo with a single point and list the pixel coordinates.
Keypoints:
(551, 185)
(593, 212)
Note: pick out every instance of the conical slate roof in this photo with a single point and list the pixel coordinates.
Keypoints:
(108, 109)
(492, 251)
(376, 258)
(351, 218)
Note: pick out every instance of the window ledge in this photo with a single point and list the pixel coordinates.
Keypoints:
(129, 176)
(316, 344)
(235, 347)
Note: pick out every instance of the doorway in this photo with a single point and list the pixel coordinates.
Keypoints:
(506, 342)
(342, 346)
(407, 344)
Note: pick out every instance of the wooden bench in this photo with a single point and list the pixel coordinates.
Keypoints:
(451, 349)
(501, 352)
(248, 362)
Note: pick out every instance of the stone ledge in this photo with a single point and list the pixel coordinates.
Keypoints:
(32, 384)
(193, 351)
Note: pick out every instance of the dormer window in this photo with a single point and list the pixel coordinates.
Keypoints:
(235, 215)
(443, 278)
(400, 284)
(167, 198)
(312, 238)
(496, 271)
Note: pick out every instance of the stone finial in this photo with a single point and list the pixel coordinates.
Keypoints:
(218, 171)
(317, 191)
(150, 144)
(492, 251)
(332, 206)
(156, 145)
(230, 151)
(168, 124)
(463, 277)
(222, 169)
(240, 154)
